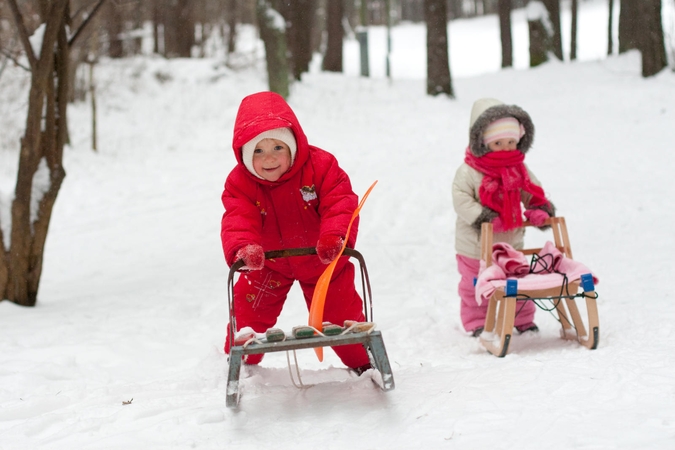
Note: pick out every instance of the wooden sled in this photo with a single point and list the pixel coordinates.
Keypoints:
(501, 312)
(371, 339)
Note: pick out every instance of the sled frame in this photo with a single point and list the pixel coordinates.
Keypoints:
(372, 341)
(498, 330)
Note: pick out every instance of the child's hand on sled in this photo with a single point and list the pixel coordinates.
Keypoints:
(253, 256)
(328, 247)
(536, 216)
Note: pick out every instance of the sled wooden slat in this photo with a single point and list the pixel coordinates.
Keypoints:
(501, 311)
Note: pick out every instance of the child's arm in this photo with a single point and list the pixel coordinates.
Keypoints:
(241, 224)
(464, 200)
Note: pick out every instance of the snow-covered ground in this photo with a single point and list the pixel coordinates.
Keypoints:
(132, 305)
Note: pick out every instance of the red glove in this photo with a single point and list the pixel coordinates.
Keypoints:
(328, 247)
(497, 225)
(536, 216)
(253, 256)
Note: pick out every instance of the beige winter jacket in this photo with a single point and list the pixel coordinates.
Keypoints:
(466, 202)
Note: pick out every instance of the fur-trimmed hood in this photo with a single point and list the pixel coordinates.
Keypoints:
(487, 110)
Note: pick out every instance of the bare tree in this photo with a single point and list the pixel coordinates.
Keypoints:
(41, 148)
(332, 60)
(573, 32)
(179, 29)
(540, 36)
(231, 25)
(504, 8)
(553, 7)
(301, 15)
(114, 26)
(610, 26)
(629, 27)
(652, 45)
(438, 61)
(273, 34)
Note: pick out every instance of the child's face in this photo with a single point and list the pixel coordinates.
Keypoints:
(503, 144)
(271, 159)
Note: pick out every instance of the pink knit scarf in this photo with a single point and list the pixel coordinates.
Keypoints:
(505, 175)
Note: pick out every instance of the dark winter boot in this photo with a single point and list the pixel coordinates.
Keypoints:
(359, 370)
(528, 327)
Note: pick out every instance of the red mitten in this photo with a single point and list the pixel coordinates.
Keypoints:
(253, 256)
(497, 225)
(328, 247)
(536, 216)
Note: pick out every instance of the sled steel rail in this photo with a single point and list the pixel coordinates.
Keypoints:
(371, 340)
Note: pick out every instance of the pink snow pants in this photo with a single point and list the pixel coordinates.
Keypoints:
(473, 314)
(259, 297)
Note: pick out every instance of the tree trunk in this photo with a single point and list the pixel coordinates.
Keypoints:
(231, 26)
(438, 61)
(114, 28)
(652, 44)
(573, 32)
(301, 15)
(629, 27)
(44, 138)
(332, 60)
(179, 30)
(610, 26)
(157, 46)
(40, 172)
(274, 39)
(505, 32)
(553, 7)
(540, 42)
(456, 9)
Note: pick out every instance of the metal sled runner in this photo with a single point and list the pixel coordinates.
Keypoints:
(370, 339)
(502, 306)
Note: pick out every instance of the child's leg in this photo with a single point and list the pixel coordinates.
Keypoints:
(342, 303)
(524, 314)
(471, 313)
(259, 296)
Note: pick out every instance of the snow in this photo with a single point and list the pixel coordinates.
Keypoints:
(41, 185)
(36, 40)
(536, 11)
(124, 348)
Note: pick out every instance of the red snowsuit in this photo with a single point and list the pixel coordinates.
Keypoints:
(313, 198)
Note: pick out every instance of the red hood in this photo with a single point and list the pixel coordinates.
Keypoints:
(265, 111)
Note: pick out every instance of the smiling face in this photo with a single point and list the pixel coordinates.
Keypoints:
(271, 159)
(503, 144)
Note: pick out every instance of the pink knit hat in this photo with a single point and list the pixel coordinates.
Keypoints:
(284, 135)
(506, 128)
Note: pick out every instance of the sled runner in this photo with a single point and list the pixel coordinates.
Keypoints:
(303, 337)
(562, 291)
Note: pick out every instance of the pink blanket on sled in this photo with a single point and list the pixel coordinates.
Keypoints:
(548, 271)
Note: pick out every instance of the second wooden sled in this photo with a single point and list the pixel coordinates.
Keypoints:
(501, 312)
(371, 340)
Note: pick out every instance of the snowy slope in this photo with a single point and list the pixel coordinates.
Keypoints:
(132, 304)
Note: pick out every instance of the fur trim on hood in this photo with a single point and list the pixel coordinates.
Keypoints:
(487, 110)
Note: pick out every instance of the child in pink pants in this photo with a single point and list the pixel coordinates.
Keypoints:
(490, 186)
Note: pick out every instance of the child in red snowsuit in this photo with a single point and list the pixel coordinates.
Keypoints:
(284, 193)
